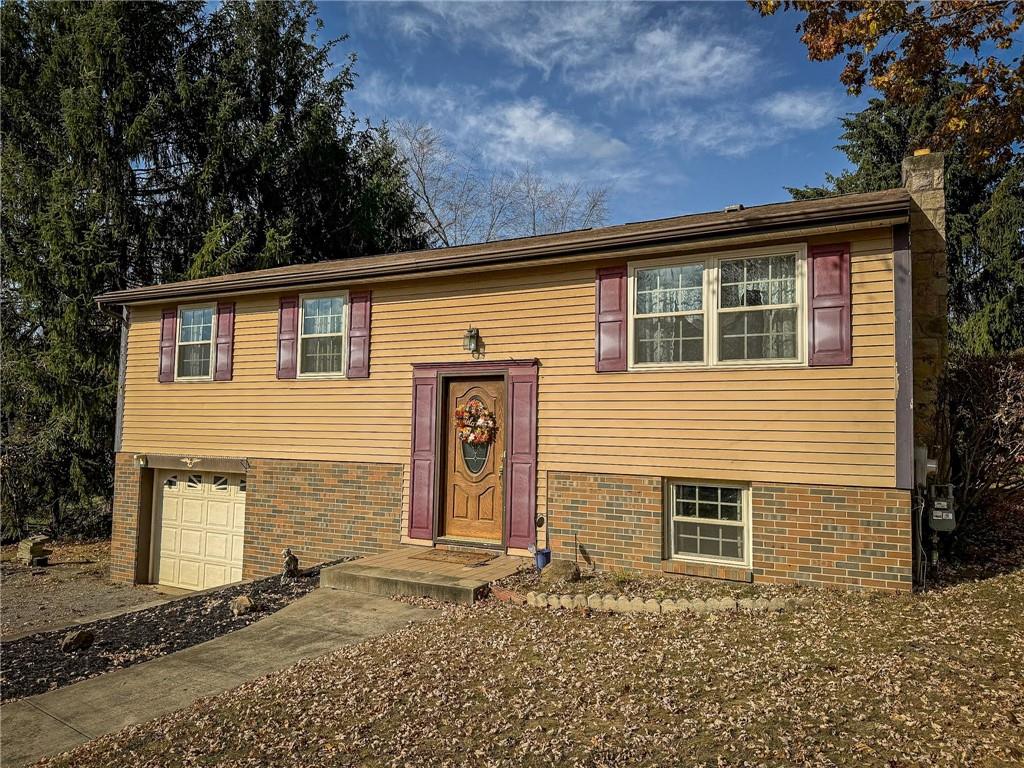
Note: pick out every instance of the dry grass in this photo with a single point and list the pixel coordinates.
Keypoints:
(75, 585)
(855, 679)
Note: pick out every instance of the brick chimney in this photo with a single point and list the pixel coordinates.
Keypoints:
(924, 179)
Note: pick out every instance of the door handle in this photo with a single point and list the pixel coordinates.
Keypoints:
(501, 467)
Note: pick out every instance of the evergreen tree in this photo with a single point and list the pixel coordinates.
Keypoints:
(984, 214)
(148, 142)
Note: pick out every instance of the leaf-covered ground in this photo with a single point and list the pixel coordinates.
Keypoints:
(855, 679)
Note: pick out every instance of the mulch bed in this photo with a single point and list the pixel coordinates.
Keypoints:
(36, 664)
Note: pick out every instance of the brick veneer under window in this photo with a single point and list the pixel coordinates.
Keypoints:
(852, 537)
(617, 519)
(837, 536)
(125, 524)
(321, 509)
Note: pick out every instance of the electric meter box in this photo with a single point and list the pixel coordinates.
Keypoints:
(941, 515)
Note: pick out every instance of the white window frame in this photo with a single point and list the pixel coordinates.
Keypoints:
(746, 508)
(712, 282)
(212, 343)
(344, 335)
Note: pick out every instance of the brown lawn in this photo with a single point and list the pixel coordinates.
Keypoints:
(74, 586)
(854, 679)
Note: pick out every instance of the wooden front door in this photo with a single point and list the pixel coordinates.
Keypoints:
(474, 499)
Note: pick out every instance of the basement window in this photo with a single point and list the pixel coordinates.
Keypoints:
(709, 522)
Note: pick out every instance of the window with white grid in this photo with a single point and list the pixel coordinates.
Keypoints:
(668, 314)
(322, 335)
(744, 308)
(708, 522)
(758, 308)
(195, 342)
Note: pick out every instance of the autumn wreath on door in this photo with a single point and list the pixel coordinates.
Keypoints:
(474, 424)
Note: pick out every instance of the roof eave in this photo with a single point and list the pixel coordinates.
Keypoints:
(591, 243)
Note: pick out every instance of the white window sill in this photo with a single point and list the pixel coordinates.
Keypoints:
(709, 561)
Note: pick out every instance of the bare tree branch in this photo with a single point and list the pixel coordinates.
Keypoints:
(462, 201)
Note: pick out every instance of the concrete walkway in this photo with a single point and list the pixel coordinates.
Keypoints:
(318, 623)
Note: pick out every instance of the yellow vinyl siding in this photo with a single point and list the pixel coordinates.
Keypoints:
(788, 425)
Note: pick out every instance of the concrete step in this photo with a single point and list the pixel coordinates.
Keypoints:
(357, 576)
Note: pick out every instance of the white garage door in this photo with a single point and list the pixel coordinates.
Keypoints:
(198, 528)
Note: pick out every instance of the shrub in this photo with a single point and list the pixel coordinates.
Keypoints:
(983, 399)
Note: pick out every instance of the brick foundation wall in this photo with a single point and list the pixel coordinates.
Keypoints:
(831, 536)
(322, 510)
(850, 537)
(125, 524)
(617, 519)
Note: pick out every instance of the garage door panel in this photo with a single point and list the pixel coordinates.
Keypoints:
(172, 509)
(190, 574)
(168, 571)
(216, 573)
(192, 511)
(191, 542)
(217, 546)
(169, 541)
(200, 527)
(218, 514)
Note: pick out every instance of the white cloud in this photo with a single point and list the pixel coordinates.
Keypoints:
(505, 132)
(528, 131)
(805, 110)
(733, 130)
(621, 50)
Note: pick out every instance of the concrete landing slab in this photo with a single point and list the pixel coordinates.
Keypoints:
(318, 623)
(404, 572)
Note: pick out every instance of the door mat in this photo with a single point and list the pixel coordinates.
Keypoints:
(452, 556)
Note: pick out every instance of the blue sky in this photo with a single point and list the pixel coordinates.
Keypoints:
(678, 107)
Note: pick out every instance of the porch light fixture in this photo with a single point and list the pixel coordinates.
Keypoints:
(471, 340)
(141, 460)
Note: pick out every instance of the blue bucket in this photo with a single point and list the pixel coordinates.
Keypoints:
(542, 558)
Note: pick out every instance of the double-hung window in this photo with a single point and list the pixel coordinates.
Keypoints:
(757, 308)
(709, 522)
(322, 335)
(718, 310)
(195, 342)
(668, 315)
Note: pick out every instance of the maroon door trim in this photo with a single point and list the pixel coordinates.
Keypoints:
(423, 462)
(521, 378)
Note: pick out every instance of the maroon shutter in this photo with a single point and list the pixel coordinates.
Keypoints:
(359, 335)
(610, 350)
(288, 338)
(421, 481)
(168, 329)
(829, 332)
(521, 505)
(225, 341)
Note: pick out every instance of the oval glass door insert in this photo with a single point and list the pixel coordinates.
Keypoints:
(475, 456)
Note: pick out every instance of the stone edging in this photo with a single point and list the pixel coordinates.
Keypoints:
(623, 604)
